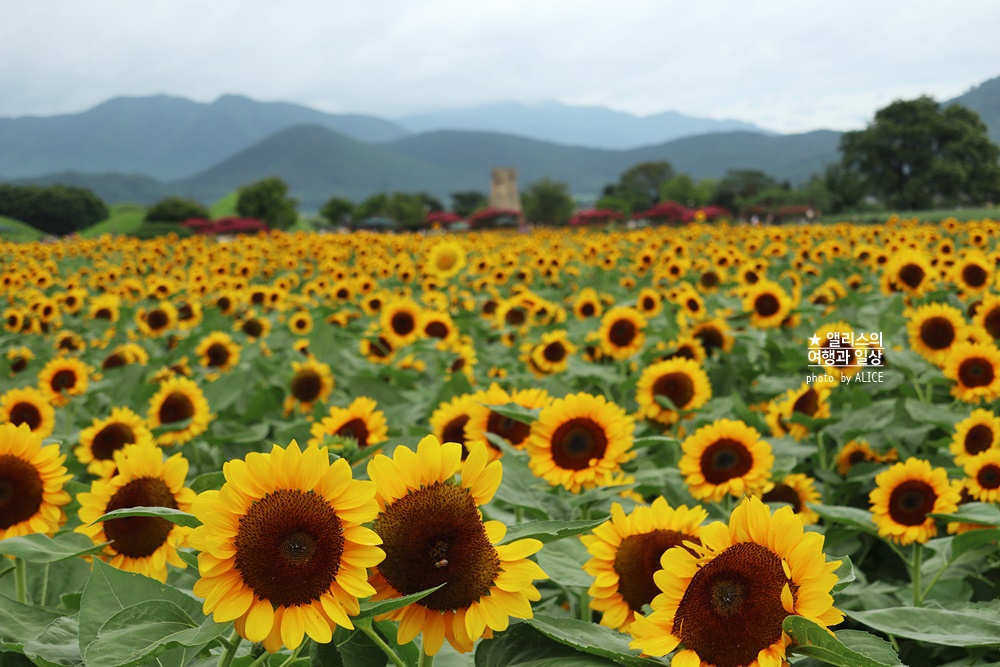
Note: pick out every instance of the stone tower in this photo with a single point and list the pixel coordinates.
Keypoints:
(503, 189)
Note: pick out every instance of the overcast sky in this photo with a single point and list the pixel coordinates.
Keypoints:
(788, 65)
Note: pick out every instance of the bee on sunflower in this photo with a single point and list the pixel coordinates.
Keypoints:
(904, 497)
(32, 477)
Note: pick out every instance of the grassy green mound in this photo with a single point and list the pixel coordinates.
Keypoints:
(15, 230)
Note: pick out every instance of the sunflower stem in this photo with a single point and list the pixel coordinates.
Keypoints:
(230, 653)
(21, 580)
(295, 653)
(518, 514)
(918, 552)
(261, 659)
(367, 628)
(583, 607)
(425, 660)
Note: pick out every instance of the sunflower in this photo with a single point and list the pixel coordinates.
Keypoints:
(63, 377)
(180, 409)
(860, 451)
(975, 368)
(439, 325)
(797, 490)
(156, 321)
(445, 260)
(580, 442)
(974, 435)
(983, 472)
(311, 384)
(973, 273)
(378, 350)
(908, 271)
(725, 457)
(768, 304)
(19, 358)
(300, 323)
(904, 496)
(123, 355)
(839, 349)
(934, 329)
(621, 333)
(399, 321)
(104, 437)
(681, 380)
(359, 420)
(139, 544)
(28, 406)
(587, 304)
(483, 420)
(254, 327)
(449, 419)
(809, 400)
(218, 351)
(961, 487)
(988, 315)
(31, 483)
(649, 302)
(625, 553)
(551, 354)
(283, 552)
(433, 533)
(726, 603)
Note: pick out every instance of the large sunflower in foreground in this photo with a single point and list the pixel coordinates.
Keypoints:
(104, 437)
(725, 604)
(433, 533)
(974, 435)
(975, 369)
(28, 406)
(180, 409)
(580, 442)
(139, 544)
(725, 457)
(283, 551)
(359, 420)
(625, 553)
(681, 380)
(63, 377)
(311, 384)
(31, 483)
(905, 495)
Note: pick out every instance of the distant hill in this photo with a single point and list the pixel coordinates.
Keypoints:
(109, 187)
(984, 99)
(161, 136)
(590, 126)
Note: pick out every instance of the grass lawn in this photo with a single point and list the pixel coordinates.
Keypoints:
(124, 219)
(225, 207)
(20, 232)
(924, 216)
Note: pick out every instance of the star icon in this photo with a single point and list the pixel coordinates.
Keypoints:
(814, 341)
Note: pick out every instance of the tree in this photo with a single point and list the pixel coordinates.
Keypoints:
(740, 186)
(266, 200)
(55, 209)
(845, 186)
(615, 204)
(467, 202)
(337, 210)
(175, 209)
(641, 184)
(431, 204)
(406, 209)
(548, 202)
(916, 154)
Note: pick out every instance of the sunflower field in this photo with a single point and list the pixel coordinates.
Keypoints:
(709, 445)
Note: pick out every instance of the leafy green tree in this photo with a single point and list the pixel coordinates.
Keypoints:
(431, 204)
(684, 190)
(845, 186)
(916, 154)
(374, 205)
(176, 209)
(267, 200)
(548, 202)
(739, 187)
(615, 204)
(55, 209)
(337, 210)
(641, 184)
(406, 209)
(467, 202)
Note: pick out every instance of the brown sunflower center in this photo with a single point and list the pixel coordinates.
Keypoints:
(25, 413)
(578, 442)
(157, 319)
(139, 536)
(975, 372)
(638, 558)
(110, 439)
(380, 348)
(19, 364)
(454, 430)
(68, 343)
(648, 303)
(732, 608)
(403, 323)
(103, 314)
(515, 317)
(693, 305)
(357, 429)
(64, 379)
(288, 547)
(974, 275)
(554, 352)
(912, 275)
(224, 303)
(217, 354)
(978, 439)
(306, 385)
(992, 322)
(807, 403)
(989, 477)
(21, 490)
(937, 333)
(176, 407)
(725, 459)
(622, 333)
(588, 309)
(709, 279)
(711, 339)
(436, 329)
(435, 536)
(115, 360)
(911, 502)
(783, 493)
(678, 387)
(253, 327)
(766, 305)
(512, 430)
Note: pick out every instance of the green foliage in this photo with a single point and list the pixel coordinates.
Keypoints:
(152, 230)
(123, 219)
(467, 202)
(615, 204)
(55, 209)
(915, 154)
(225, 207)
(406, 209)
(640, 185)
(267, 200)
(548, 202)
(338, 210)
(175, 209)
(740, 187)
(686, 191)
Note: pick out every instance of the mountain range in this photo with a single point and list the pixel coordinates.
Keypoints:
(143, 148)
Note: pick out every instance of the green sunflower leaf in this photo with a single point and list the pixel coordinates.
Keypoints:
(967, 625)
(209, 481)
(981, 513)
(849, 516)
(38, 548)
(58, 645)
(848, 649)
(21, 623)
(378, 607)
(845, 573)
(516, 412)
(523, 646)
(591, 638)
(166, 513)
(549, 531)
